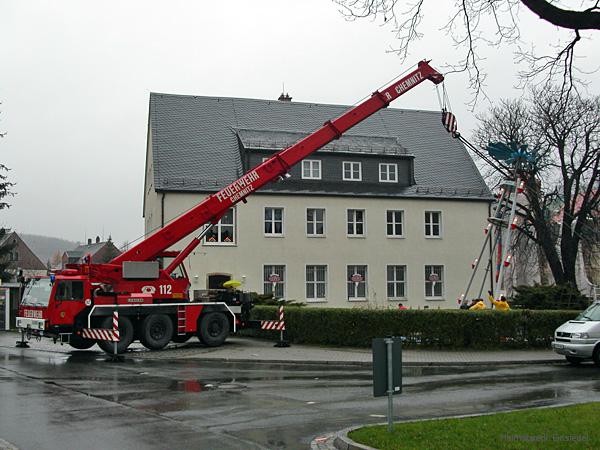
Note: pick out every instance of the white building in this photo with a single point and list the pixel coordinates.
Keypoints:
(364, 221)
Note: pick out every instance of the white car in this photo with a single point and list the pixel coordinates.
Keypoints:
(579, 339)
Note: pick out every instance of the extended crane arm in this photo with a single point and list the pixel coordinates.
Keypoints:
(212, 208)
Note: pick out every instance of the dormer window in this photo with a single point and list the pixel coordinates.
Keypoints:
(352, 171)
(388, 173)
(311, 169)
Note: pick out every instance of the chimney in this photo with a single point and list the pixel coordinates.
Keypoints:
(89, 241)
(97, 239)
(284, 98)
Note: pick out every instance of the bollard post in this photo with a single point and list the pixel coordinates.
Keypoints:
(387, 372)
(390, 387)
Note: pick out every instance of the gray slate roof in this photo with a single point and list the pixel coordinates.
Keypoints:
(347, 143)
(87, 248)
(197, 145)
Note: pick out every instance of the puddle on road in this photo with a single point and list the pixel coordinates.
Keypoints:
(190, 386)
(199, 386)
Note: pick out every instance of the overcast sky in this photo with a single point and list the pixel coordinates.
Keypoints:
(75, 78)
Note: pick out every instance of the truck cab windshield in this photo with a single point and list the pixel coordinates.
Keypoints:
(37, 292)
(592, 313)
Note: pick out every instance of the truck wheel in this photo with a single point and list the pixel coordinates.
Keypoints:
(596, 355)
(573, 360)
(125, 333)
(80, 343)
(213, 329)
(156, 331)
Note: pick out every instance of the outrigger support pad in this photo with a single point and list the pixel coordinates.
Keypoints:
(22, 343)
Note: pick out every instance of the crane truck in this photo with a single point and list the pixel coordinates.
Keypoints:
(152, 299)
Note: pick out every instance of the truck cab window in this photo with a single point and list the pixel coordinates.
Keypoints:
(69, 290)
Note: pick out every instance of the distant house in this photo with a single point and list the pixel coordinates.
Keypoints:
(21, 257)
(101, 252)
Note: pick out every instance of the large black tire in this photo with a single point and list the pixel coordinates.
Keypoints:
(125, 333)
(596, 355)
(156, 331)
(180, 339)
(573, 360)
(213, 329)
(80, 343)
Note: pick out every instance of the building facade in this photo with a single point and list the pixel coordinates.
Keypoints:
(392, 212)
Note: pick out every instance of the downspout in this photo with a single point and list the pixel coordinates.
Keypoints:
(162, 210)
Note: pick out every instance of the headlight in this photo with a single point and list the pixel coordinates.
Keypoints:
(580, 335)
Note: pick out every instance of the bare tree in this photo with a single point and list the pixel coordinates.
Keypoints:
(476, 23)
(562, 187)
(55, 261)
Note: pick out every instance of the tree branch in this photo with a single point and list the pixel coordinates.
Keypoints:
(588, 19)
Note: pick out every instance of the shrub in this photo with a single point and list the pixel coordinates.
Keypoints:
(549, 297)
(268, 299)
(448, 329)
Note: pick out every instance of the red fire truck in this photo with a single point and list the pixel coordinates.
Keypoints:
(152, 300)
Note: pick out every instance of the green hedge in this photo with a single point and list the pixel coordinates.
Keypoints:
(448, 329)
(549, 297)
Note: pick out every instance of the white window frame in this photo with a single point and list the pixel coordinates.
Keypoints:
(351, 169)
(354, 223)
(325, 282)
(282, 282)
(395, 281)
(273, 221)
(431, 225)
(387, 172)
(394, 223)
(314, 222)
(308, 169)
(218, 227)
(365, 282)
(427, 282)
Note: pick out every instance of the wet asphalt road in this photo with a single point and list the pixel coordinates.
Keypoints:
(52, 400)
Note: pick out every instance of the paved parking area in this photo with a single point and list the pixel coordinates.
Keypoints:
(249, 349)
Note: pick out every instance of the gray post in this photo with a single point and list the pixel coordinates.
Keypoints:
(7, 309)
(390, 379)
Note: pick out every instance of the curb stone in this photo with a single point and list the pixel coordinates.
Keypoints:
(370, 364)
(343, 442)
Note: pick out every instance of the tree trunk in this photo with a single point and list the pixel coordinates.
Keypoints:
(548, 247)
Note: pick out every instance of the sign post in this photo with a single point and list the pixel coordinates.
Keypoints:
(4, 308)
(387, 371)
